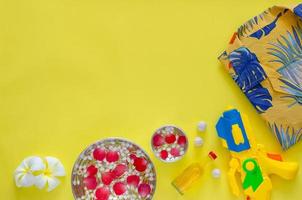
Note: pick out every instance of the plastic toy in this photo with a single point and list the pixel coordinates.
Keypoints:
(191, 174)
(202, 126)
(198, 141)
(249, 159)
(216, 173)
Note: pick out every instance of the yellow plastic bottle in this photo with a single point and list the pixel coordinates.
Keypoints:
(191, 174)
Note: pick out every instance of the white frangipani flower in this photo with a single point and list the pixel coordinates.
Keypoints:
(39, 172)
(55, 166)
(48, 177)
(24, 174)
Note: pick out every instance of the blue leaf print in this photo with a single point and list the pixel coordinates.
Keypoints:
(249, 72)
(246, 28)
(293, 86)
(288, 52)
(294, 90)
(298, 10)
(264, 31)
(286, 136)
(260, 98)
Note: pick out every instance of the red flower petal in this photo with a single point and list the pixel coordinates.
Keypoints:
(140, 164)
(175, 152)
(144, 190)
(133, 180)
(164, 154)
(119, 188)
(99, 154)
(107, 178)
(92, 170)
(90, 182)
(158, 140)
(170, 138)
(102, 193)
(132, 156)
(182, 140)
(112, 156)
(119, 170)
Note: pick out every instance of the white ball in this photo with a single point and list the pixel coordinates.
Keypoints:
(198, 141)
(216, 173)
(202, 125)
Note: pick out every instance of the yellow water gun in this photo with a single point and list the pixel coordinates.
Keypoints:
(249, 159)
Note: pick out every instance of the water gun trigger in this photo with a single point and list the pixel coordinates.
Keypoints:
(275, 156)
(234, 165)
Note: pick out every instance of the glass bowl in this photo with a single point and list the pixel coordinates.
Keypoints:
(169, 143)
(111, 169)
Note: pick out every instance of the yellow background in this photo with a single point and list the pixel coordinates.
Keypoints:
(76, 71)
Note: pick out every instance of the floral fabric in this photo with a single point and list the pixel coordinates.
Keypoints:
(264, 57)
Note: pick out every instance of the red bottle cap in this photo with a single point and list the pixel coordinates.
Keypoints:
(212, 155)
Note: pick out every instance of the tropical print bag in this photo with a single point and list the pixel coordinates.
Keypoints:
(264, 57)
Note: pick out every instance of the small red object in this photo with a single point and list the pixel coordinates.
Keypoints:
(112, 156)
(133, 180)
(175, 152)
(99, 154)
(158, 140)
(92, 170)
(233, 38)
(90, 182)
(170, 138)
(102, 193)
(273, 156)
(212, 155)
(140, 164)
(119, 188)
(164, 154)
(119, 170)
(182, 140)
(107, 178)
(144, 190)
(133, 156)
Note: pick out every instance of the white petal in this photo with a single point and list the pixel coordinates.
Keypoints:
(35, 163)
(53, 182)
(18, 176)
(23, 174)
(55, 166)
(19, 173)
(20, 170)
(25, 180)
(40, 181)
